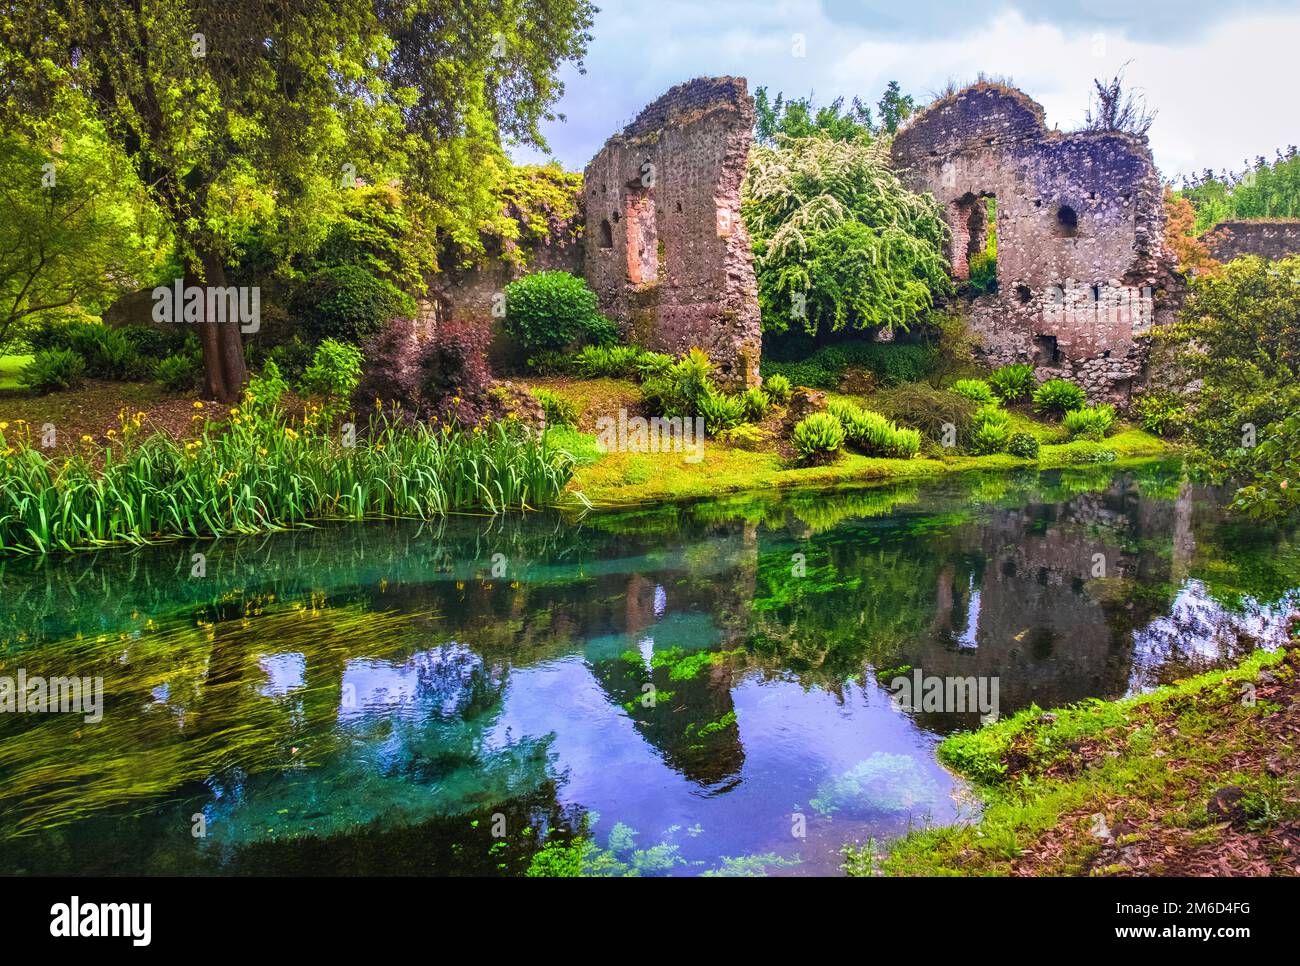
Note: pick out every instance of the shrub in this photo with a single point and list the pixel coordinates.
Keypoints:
(818, 438)
(1090, 422)
(1023, 445)
(348, 303)
(1057, 397)
(928, 409)
(558, 410)
(1161, 412)
(983, 273)
(976, 389)
(292, 357)
(778, 388)
(1012, 383)
(107, 352)
(614, 361)
(553, 310)
(334, 373)
(891, 362)
(757, 404)
(1087, 452)
(454, 378)
(390, 374)
(653, 364)
(990, 431)
(179, 372)
(874, 434)
(53, 369)
(152, 344)
(720, 411)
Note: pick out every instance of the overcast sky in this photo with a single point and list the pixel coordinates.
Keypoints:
(1220, 75)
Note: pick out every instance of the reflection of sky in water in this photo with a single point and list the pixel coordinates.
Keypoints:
(284, 672)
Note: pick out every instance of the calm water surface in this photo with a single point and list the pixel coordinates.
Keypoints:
(673, 691)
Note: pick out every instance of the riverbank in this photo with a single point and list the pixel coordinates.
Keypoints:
(1199, 778)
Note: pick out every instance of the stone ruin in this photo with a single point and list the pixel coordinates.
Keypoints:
(1082, 265)
(666, 251)
(1270, 238)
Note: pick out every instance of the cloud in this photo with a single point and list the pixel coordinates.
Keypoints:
(1216, 91)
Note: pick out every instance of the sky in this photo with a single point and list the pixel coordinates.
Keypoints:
(1219, 75)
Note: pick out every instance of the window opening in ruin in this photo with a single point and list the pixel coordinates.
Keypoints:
(642, 237)
(982, 245)
(1024, 294)
(1045, 351)
(606, 234)
(1067, 221)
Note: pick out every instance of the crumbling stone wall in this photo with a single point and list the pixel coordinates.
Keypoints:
(1081, 258)
(665, 248)
(1268, 238)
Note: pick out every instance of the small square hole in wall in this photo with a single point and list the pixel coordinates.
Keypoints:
(1045, 351)
(1024, 294)
(1067, 221)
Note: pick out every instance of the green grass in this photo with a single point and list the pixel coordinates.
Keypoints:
(10, 367)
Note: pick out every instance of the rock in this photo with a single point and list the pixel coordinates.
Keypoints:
(1225, 804)
(805, 402)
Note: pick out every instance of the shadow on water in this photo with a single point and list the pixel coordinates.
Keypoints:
(699, 688)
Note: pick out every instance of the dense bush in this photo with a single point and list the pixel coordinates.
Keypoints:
(51, 370)
(179, 372)
(1023, 445)
(778, 388)
(976, 389)
(333, 374)
(757, 404)
(990, 431)
(1161, 412)
(614, 361)
(454, 379)
(554, 310)
(292, 357)
(720, 410)
(818, 438)
(108, 353)
(1090, 422)
(928, 409)
(892, 363)
(983, 273)
(152, 344)
(839, 242)
(558, 410)
(1012, 383)
(348, 303)
(390, 374)
(1056, 397)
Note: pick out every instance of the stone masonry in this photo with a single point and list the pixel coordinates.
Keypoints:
(1082, 266)
(1269, 238)
(666, 251)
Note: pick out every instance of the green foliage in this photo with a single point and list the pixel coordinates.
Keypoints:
(801, 118)
(1023, 445)
(1239, 335)
(838, 241)
(1160, 411)
(976, 389)
(1265, 189)
(107, 352)
(51, 370)
(1056, 397)
(720, 411)
(757, 404)
(612, 361)
(377, 231)
(539, 206)
(179, 372)
(818, 438)
(990, 431)
(348, 303)
(334, 373)
(874, 434)
(258, 471)
(558, 410)
(1273, 489)
(1013, 382)
(891, 362)
(778, 388)
(1090, 422)
(983, 276)
(553, 310)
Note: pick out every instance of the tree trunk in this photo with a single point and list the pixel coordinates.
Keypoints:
(224, 370)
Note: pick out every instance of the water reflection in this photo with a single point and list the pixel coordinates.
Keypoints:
(684, 689)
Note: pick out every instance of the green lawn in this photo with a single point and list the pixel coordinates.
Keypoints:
(10, 366)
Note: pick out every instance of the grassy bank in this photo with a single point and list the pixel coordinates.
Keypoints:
(1200, 777)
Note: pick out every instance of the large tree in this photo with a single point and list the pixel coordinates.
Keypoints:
(243, 117)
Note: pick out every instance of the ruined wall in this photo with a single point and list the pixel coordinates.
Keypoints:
(1272, 239)
(1081, 258)
(666, 251)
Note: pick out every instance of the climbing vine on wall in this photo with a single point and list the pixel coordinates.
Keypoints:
(838, 241)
